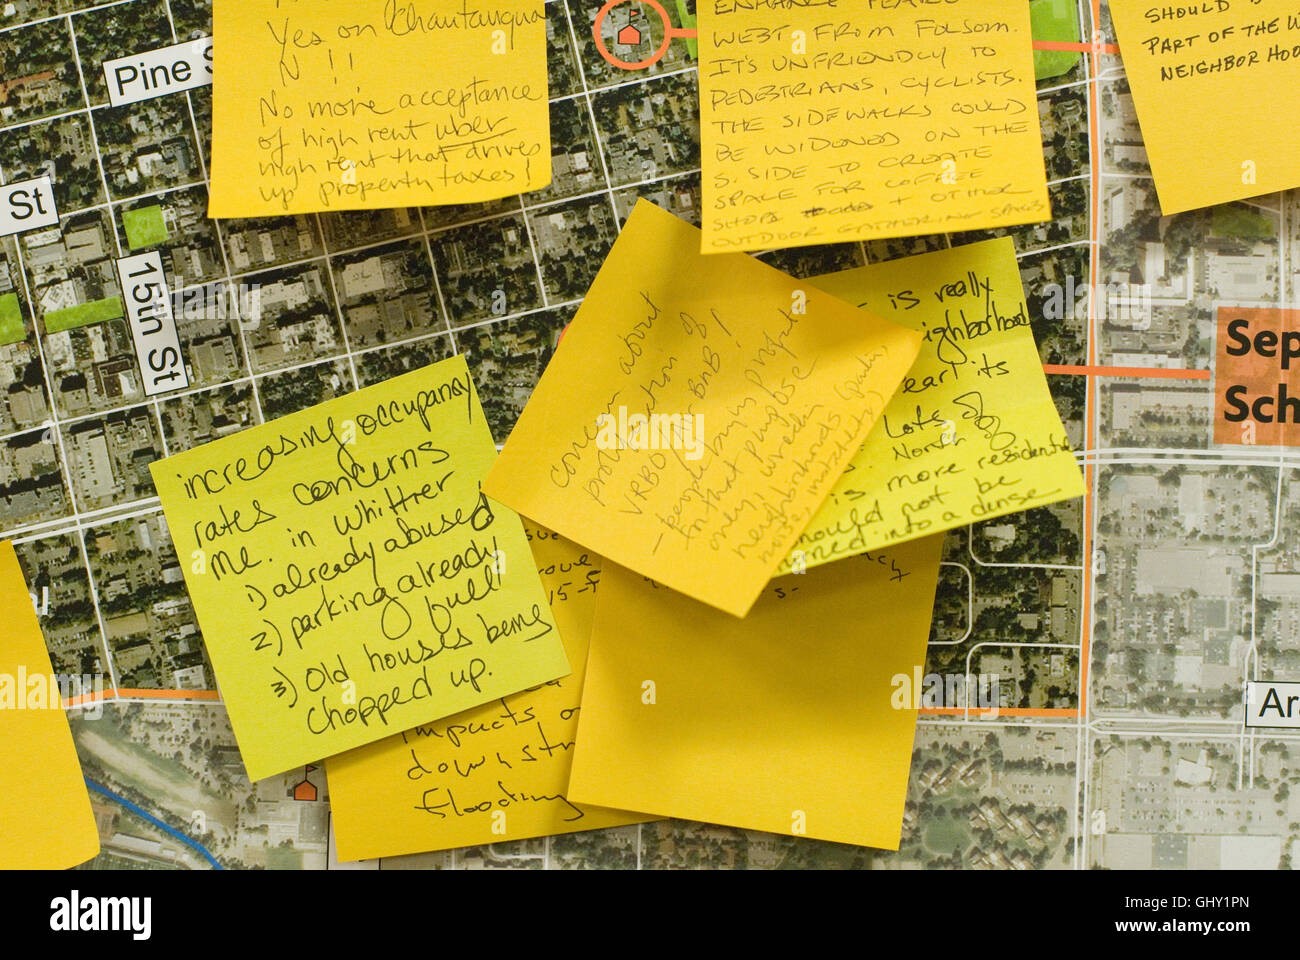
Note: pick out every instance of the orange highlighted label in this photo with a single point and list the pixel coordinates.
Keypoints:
(1257, 377)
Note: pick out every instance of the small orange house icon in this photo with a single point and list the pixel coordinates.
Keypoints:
(629, 36)
(306, 790)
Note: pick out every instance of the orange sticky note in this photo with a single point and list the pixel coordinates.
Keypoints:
(495, 773)
(698, 412)
(1206, 80)
(373, 104)
(824, 123)
(44, 806)
(789, 721)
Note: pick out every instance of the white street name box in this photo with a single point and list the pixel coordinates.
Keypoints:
(1272, 704)
(27, 205)
(154, 73)
(153, 327)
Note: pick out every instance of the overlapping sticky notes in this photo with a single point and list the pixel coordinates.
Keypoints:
(498, 772)
(1207, 81)
(350, 578)
(697, 412)
(972, 433)
(45, 817)
(781, 722)
(829, 124)
(373, 104)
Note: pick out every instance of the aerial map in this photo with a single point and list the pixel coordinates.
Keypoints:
(1091, 656)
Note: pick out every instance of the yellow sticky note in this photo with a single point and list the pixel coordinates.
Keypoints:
(495, 773)
(787, 721)
(972, 433)
(44, 806)
(1213, 85)
(374, 103)
(697, 412)
(829, 124)
(350, 578)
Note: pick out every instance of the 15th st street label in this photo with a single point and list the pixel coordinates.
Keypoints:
(153, 328)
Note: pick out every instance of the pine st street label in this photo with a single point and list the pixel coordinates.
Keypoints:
(27, 205)
(1257, 377)
(143, 76)
(153, 327)
(1272, 704)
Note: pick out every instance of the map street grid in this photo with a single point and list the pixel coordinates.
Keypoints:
(1119, 739)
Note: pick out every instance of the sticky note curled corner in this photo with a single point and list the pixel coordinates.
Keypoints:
(697, 412)
(785, 721)
(44, 806)
(495, 773)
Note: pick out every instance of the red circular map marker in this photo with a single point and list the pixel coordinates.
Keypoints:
(671, 33)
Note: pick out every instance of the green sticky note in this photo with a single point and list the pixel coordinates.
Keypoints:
(144, 226)
(687, 20)
(11, 320)
(83, 314)
(1058, 21)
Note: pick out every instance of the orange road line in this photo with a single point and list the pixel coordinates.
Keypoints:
(114, 693)
(87, 698)
(1067, 712)
(1156, 373)
(1076, 47)
(170, 694)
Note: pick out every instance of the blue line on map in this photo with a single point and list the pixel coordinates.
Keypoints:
(188, 841)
